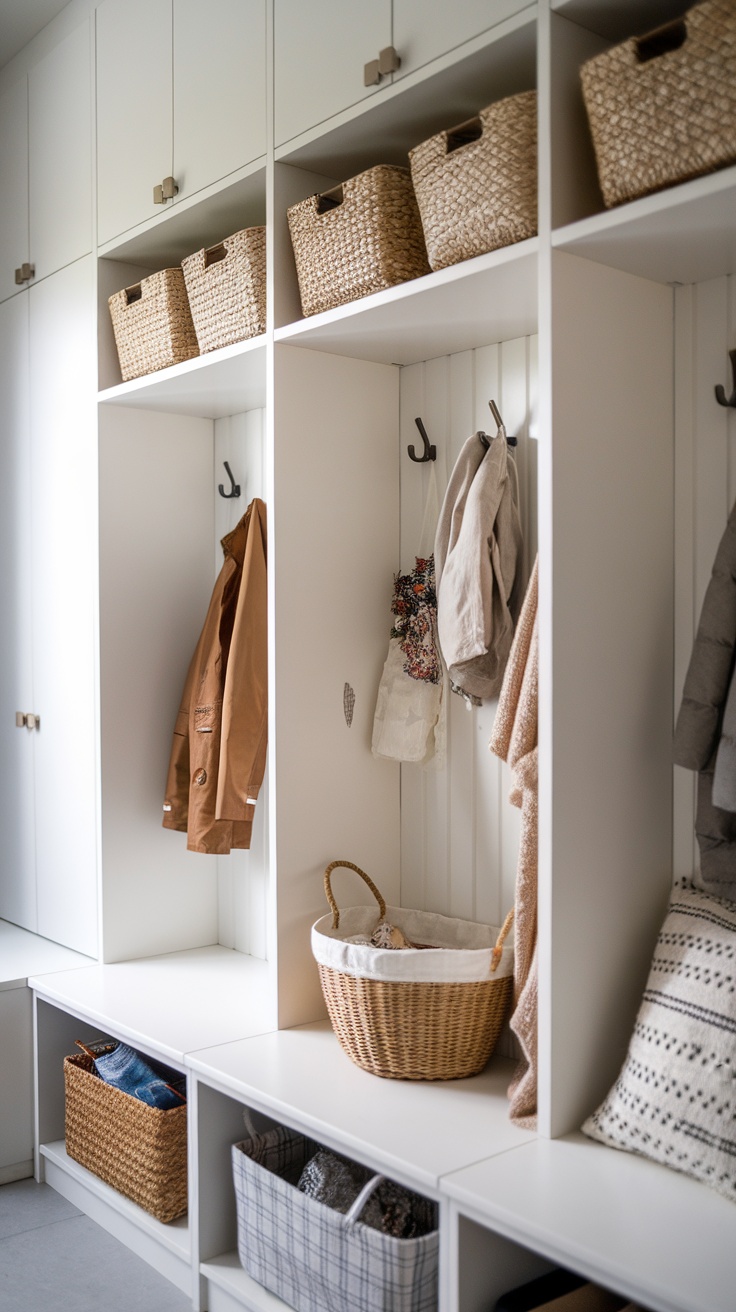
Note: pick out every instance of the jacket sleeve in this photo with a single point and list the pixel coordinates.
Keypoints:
(245, 699)
(711, 662)
(176, 800)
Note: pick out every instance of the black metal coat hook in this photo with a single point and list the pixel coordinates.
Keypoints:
(235, 487)
(721, 397)
(429, 453)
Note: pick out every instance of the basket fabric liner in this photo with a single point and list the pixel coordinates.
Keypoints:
(468, 961)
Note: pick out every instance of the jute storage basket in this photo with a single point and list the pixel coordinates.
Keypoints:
(315, 1258)
(359, 238)
(476, 185)
(139, 1150)
(226, 286)
(430, 1012)
(152, 324)
(662, 107)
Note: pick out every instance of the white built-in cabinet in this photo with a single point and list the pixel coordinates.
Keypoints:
(188, 102)
(110, 527)
(46, 164)
(49, 803)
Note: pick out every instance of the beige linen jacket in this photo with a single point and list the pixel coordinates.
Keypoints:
(218, 755)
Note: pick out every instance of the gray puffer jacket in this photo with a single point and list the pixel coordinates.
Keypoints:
(699, 723)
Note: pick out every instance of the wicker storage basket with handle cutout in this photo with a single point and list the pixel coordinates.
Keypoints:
(152, 324)
(428, 1012)
(476, 185)
(662, 107)
(361, 237)
(226, 286)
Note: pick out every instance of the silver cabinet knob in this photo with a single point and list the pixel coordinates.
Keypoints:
(166, 190)
(24, 274)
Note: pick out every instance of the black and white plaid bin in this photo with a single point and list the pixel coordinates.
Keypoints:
(315, 1258)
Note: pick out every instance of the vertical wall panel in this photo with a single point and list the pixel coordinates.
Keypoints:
(460, 835)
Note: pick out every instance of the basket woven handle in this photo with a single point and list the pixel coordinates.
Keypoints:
(348, 865)
(498, 950)
(662, 41)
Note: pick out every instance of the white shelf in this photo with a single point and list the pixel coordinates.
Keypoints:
(632, 1225)
(172, 1004)
(489, 299)
(683, 234)
(23, 954)
(166, 1247)
(212, 386)
(415, 1132)
(226, 1273)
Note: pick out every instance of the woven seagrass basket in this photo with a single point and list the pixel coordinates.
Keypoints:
(359, 238)
(476, 185)
(662, 107)
(139, 1150)
(226, 286)
(433, 1011)
(152, 324)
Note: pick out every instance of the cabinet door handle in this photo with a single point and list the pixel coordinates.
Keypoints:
(371, 74)
(24, 274)
(166, 190)
(389, 61)
(27, 720)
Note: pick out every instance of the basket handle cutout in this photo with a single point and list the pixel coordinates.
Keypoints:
(348, 865)
(498, 950)
(133, 294)
(661, 41)
(214, 254)
(463, 134)
(329, 200)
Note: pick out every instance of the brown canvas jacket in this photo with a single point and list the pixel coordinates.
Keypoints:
(218, 755)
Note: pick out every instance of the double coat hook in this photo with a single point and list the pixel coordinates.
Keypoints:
(721, 397)
(234, 487)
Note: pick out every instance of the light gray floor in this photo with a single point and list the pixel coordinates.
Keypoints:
(53, 1259)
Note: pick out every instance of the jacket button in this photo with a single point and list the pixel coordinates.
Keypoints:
(200, 777)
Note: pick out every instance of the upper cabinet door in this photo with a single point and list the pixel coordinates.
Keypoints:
(320, 54)
(134, 111)
(13, 185)
(219, 89)
(423, 32)
(60, 154)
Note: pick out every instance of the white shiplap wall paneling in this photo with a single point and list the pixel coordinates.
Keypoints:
(242, 877)
(459, 834)
(705, 490)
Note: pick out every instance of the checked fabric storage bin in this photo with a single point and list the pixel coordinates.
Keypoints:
(432, 1011)
(476, 185)
(361, 237)
(662, 107)
(315, 1258)
(152, 324)
(226, 286)
(139, 1150)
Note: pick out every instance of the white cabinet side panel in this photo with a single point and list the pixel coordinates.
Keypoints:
(156, 578)
(219, 89)
(17, 822)
(60, 135)
(16, 1077)
(13, 184)
(242, 876)
(334, 540)
(606, 873)
(134, 111)
(64, 513)
(459, 833)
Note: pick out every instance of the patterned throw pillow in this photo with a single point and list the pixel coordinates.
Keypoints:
(675, 1099)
